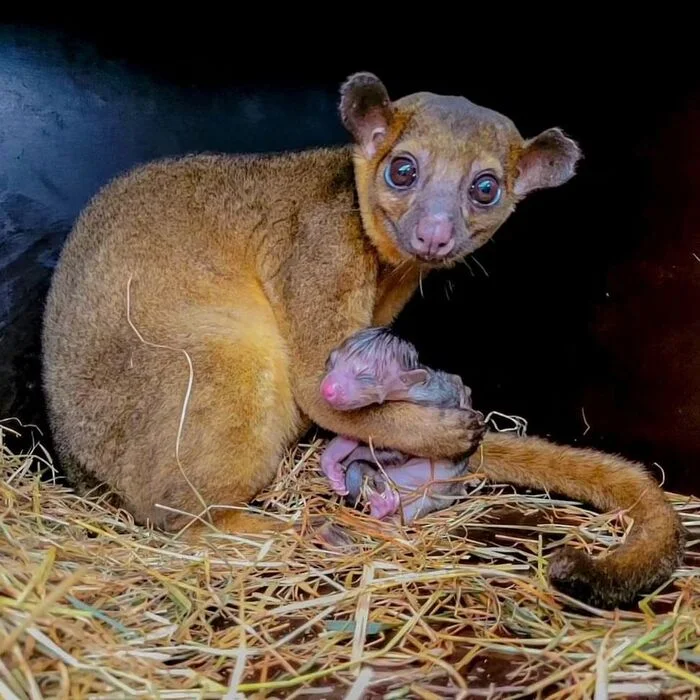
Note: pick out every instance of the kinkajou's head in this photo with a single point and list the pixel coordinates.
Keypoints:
(438, 175)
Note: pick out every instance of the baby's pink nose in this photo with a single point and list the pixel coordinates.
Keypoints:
(331, 390)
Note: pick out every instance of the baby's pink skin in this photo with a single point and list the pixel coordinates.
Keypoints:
(382, 505)
(349, 386)
(340, 392)
(417, 487)
(342, 451)
(346, 389)
(338, 449)
(356, 380)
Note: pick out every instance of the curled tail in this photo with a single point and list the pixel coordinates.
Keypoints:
(654, 546)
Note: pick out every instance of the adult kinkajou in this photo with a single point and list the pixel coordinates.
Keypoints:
(197, 299)
(374, 366)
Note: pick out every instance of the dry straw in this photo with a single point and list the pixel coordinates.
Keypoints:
(93, 606)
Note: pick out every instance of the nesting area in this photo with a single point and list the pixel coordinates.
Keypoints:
(93, 606)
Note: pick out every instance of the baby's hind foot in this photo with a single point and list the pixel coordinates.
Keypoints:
(385, 503)
(335, 473)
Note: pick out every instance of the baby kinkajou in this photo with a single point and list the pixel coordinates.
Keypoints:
(412, 489)
(374, 366)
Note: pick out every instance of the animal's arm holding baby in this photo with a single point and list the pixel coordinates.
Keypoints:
(407, 427)
(417, 430)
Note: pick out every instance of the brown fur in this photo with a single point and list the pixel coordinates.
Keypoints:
(254, 268)
(653, 549)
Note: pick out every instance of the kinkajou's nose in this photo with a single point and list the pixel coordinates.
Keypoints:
(434, 236)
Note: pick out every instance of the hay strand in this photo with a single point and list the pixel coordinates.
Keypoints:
(458, 606)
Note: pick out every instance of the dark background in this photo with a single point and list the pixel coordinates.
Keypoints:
(583, 315)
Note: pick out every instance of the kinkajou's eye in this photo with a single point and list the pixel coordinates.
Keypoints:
(401, 172)
(485, 190)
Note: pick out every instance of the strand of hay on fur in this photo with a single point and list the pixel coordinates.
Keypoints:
(458, 606)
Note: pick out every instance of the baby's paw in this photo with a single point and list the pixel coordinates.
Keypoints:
(335, 473)
(384, 504)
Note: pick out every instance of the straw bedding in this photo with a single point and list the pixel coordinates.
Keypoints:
(93, 606)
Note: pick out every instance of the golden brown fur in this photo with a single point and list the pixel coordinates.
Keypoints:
(253, 269)
(653, 549)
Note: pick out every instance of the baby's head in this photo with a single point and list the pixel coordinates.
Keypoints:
(371, 367)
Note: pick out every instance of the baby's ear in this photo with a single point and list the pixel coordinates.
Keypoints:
(332, 359)
(413, 376)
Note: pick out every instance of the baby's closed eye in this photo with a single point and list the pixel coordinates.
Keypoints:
(366, 378)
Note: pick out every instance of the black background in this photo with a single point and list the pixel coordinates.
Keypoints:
(583, 315)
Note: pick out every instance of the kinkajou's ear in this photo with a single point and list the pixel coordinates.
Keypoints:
(366, 111)
(548, 160)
